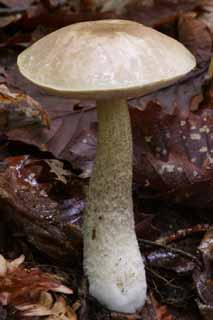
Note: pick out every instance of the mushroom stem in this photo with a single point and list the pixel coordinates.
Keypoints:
(112, 260)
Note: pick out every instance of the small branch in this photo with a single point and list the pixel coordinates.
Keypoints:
(157, 275)
(183, 233)
(123, 316)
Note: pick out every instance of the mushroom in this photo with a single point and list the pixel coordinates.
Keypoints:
(109, 61)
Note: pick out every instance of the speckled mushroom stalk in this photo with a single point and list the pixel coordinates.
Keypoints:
(112, 260)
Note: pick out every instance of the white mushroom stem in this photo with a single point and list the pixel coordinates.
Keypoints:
(112, 260)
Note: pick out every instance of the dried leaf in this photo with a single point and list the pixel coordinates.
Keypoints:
(56, 167)
(206, 14)
(154, 311)
(173, 155)
(58, 310)
(203, 278)
(24, 188)
(161, 12)
(21, 286)
(66, 118)
(18, 110)
(187, 94)
(190, 31)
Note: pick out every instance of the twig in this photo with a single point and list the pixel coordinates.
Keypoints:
(183, 233)
(122, 316)
(169, 283)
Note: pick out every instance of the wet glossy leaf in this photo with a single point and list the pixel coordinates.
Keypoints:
(24, 194)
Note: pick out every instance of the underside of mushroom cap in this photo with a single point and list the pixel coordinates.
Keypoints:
(96, 59)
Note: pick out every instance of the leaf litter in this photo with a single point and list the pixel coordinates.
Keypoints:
(44, 171)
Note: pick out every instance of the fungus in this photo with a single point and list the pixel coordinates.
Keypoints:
(109, 61)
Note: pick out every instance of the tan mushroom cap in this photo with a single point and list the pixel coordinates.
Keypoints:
(102, 59)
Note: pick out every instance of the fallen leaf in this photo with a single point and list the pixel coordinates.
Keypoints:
(206, 13)
(24, 194)
(203, 278)
(161, 12)
(117, 6)
(59, 310)
(19, 110)
(155, 311)
(56, 167)
(170, 261)
(20, 285)
(186, 94)
(173, 155)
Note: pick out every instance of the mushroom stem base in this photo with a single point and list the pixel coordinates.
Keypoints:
(112, 260)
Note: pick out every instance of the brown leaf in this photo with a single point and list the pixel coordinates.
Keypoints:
(186, 94)
(59, 310)
(24, 194)
(67, 122)
(196, 36)
(206, 14)
(56, 167)
(19, 110)
(160, 12)
(154, 311)
(20, 285)
(203, 278)
(173, 155)
(31, 14)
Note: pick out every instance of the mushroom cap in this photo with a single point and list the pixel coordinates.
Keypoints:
(105, 59)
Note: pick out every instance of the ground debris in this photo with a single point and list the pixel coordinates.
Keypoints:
(50, 148)
(24, 194)
(30, 290)
(18, 110)
(204, 279)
